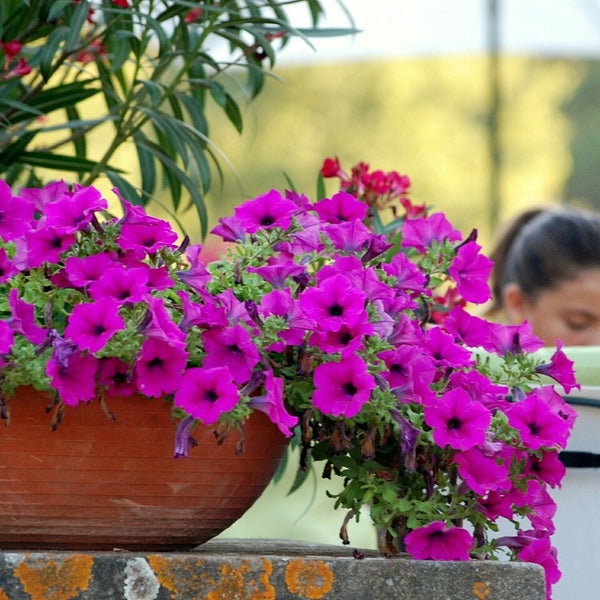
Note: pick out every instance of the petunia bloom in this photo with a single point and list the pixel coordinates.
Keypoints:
(438, 542)
(458, 421)
(206, 394)
(341, 388)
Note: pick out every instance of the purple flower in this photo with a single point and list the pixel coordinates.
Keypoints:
(72, 373)
(341, 388)
(444, 349)
(348, 237)
(160, 325)
(335, 302)
(511, 339)
(471, 271)
(90, 325)
(197, 275)
(276, 273)
(271, 403)
(436, 542)
(482, 473)
(23, 319)
(423, 232)
(81, 271)
(538, 423)
(230, 229)
(159, 367)
(560, 368)
(232, 347)
(341, 207)
(346, 340)
(72, 213)
(6, 337)
(265, 212)
(408, 275)
(206, 393)
(7, 267)
(541, 552)
(16, 214)
(143, 232)
(458, 421)
(281, 304)
(45, 245)
(471, 330)
(117, 377)
(121, 284)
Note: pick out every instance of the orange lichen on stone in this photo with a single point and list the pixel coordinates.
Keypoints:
(310, 579)
(238, 583)
(481, 590)
(3, 595)
(181, 577)
(55, 580)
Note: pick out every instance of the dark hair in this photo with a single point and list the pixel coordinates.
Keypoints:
(542, 248)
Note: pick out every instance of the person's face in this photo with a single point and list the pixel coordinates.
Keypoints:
(570, 312)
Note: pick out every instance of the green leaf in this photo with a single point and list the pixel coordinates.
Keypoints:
(59, 162)
(50, 49)
(76, 24)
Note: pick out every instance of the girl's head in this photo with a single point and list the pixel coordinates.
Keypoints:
(547, 270)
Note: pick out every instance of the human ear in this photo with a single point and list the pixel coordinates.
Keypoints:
(515, 302)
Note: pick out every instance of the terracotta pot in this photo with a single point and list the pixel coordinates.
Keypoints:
(97, 484)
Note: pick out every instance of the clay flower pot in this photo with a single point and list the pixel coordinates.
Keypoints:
(97, 484)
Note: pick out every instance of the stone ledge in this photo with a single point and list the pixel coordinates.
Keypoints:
(259, 570)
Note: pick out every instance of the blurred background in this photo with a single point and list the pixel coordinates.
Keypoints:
(490, 106)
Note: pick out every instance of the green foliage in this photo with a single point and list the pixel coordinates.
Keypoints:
(155, 64)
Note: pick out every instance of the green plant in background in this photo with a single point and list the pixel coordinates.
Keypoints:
(154, 64)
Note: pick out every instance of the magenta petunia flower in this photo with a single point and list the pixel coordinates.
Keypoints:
(91, 324)
(230, 229)
(271, 403)
(482, 473)
(45, 245)
(265, 212)
(277, 272)
(471, 271)
(458, 421)
(7, 337)
(121, 284)
(72, 373)
(197, 276)
(143, 232)
(346, 340)
(437, 542)
(81, 271)
(23, 319)
(206, 393)
(349, 237)
(7, 267)
(160, 325)
(16, 214)
(117, 377)
(51, 192)
(422, 233)
(281, 304)
(159, 367)
(548, 468)
(74, 212)
(335, 302)
(341, 207)
(446, 352)
(480, 388)
(560, 368)
(511, 339)
(407, 274)
(341, 388)
(496, 504)
(231, 347)
(472, 330)
(538, 423)
(540, 551)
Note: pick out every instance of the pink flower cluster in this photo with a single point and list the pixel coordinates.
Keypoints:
(441, 425)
